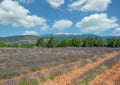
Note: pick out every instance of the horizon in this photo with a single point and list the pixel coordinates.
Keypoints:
(60, 35)
(77, 17)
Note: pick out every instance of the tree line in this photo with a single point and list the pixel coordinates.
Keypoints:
(74, 42)
(78, 42)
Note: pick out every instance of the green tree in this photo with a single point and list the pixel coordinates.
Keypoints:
(51, 42)
(28, 45)
(15, 45)
(118, 42)
(40, 42)
(111, 42)
(63, 43)
(98, 42)
(77, 42)
(88, 42)
(3, 45)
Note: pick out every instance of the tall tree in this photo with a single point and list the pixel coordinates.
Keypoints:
(51, 42)
(40, 42)
(77, 42)
(64, 43)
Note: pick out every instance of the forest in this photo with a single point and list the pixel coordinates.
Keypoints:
(74, 42)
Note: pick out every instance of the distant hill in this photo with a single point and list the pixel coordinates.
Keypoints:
(19, 39)
(69, 36)
(32, 38)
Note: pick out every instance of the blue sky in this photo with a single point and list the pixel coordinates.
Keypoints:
(38, 17)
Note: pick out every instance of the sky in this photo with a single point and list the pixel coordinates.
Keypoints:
(38, 17)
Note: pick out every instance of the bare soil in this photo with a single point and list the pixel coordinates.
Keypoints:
(68, 79)
(110, 77)
(84, 61)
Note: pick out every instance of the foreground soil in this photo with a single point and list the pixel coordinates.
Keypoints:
(110, 77)
(65, 79)
(68, 79)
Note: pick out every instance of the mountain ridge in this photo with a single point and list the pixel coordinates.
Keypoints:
(33, 38)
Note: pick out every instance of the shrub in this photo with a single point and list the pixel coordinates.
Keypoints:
(33, 69)
(52, 76)
(30, 82)
(9, 75)
(23, 83)
(42, 78)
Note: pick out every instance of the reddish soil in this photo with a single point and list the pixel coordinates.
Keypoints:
(65, 79)
(33, 74)
(68, 79)
(110, 77)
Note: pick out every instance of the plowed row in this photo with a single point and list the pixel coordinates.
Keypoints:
(110, 77)
(67, 79)
(33, 74)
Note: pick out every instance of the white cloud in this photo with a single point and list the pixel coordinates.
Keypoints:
(30, 33)
(62, 24)
(25, 1)
(116, 32)
(65, 33)
(16, 15)
(55, 3)
(97, 23)
(89, 5)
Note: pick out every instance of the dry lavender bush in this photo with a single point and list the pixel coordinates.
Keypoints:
(15, 62)
(87, 77)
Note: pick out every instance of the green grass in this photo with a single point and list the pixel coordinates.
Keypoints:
(9, 75)
(42, 78)
(83, 81)
(54, 73)
(23, 83)
(88, 77)
(30, 82)
(33, 69)
(52, 76)
(2, 61)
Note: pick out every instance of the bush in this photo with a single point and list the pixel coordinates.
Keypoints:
(23, 83)
(33, 69)
(30, 82)
(9, 75)
(42, 78)
(52, 76)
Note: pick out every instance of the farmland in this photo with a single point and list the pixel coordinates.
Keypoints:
(57, 66)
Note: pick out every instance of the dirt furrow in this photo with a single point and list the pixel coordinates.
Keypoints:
(110, 77)
(68, 78)
(16, 79)
(65, 79)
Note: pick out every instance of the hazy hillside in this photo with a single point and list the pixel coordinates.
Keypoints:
(32, 38)
(19, 39)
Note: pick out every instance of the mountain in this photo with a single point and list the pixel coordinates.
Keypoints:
(106, 37)
(19, 39)
(32, 38)
(70, 36)
(89, 35)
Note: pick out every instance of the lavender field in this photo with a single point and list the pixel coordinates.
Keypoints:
(15, 62)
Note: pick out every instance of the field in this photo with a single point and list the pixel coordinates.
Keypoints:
(59, 66)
